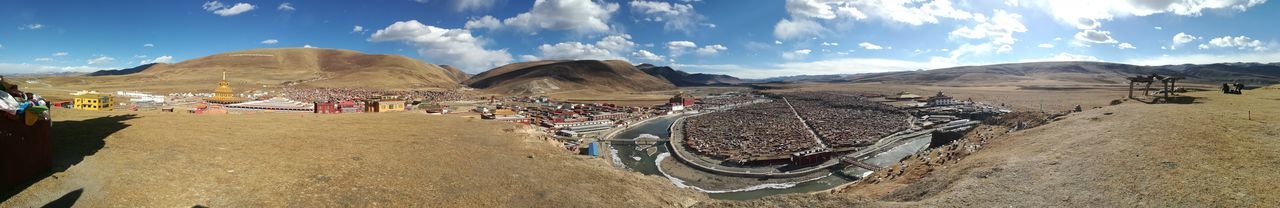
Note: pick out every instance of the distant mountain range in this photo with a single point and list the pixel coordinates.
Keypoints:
(1050, 73)
(343, 68)
(133, 70)
(684, 79)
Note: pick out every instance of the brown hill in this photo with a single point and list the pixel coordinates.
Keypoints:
(457, 75)
(298, 67)
(542, 77)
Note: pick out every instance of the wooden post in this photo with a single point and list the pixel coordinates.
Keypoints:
(1131, 89)
(1166, 90)
(1146, 91)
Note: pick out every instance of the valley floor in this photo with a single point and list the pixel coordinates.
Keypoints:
(1219, 151)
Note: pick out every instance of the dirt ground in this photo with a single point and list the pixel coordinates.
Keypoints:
(1217, 151)
(152, 159)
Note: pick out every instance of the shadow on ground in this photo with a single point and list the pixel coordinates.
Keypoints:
(72, 141)
(67, 200)
(1171, 100)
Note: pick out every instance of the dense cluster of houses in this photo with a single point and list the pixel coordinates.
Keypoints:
(575, 119)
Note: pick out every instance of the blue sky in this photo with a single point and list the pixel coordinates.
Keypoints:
(752, 39)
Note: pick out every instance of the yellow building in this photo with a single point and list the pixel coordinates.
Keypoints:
(224, 94)
(390, 105)
(93, 101)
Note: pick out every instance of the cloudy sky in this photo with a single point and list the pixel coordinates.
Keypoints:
(752, 39)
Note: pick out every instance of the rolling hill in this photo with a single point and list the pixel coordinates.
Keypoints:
(250, 69)
(685, 79)
(1058, 73)
(540, 77)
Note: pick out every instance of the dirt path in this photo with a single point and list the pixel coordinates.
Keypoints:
(814, 134)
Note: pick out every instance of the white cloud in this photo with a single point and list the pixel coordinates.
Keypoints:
(1071, 11)
(583, 16)
(1045, 45)
(529, 58)
(1238, 42)
(455, 47)
(472, 5)
(1181, 38)
(43, 59)
(810, 8)
(286, 7)
(777, 42)
(161, 59)
(1260, 57)
(36, 26)
(222, 10)
(999, 28)
(796, 55)
(829, 66)
(804, 14)
(576, 51)
(676, 48)
(711, 50)
(1126, 46)
(139, 56)
(1004, 48)
(646, 55)
(308, 46)
(1158, 28)
(357, 29)
(1095, 37)
(7, 68)
(61, 54)
(1088, 14)
(148, 45)
(830, 44)
(1203, 46)
(800, 28)
(869, 46)
(101, 60)
(963, 51)
(1065, 57)
(270, 42)
(908, 12)
(675, 16)
(486, 22)
(613, 47)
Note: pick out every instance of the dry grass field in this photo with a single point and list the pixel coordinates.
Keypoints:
(152, 159)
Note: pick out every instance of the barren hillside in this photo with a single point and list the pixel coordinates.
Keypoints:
(275, 67)
(541, 77)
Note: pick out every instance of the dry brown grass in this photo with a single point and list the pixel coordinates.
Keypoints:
(581, 76)
(154, 159)
(269, 68)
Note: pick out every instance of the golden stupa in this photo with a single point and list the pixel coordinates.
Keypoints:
(224, 94)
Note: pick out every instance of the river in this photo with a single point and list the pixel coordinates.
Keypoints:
(645, 161)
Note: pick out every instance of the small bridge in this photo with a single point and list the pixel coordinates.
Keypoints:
(860, 164)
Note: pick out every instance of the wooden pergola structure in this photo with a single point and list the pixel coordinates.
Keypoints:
(1167, 84)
